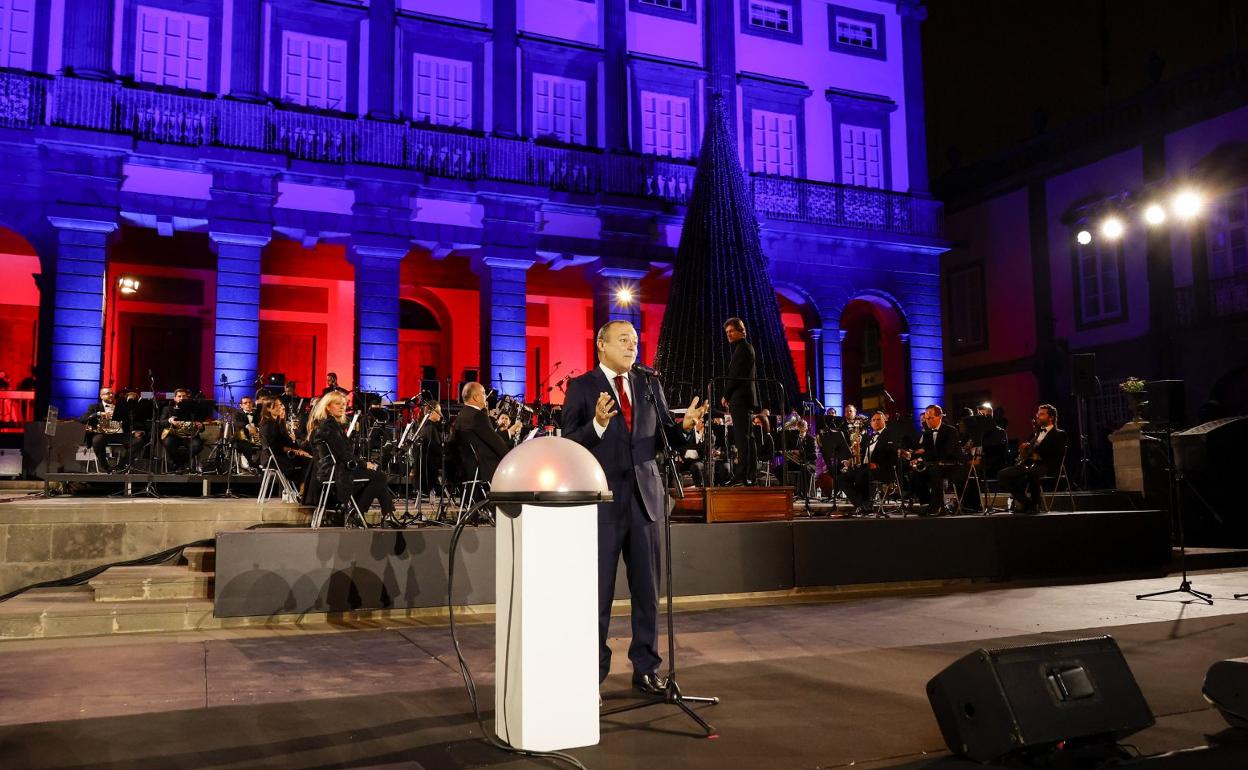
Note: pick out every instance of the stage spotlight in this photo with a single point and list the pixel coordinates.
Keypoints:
(1187, 204)
(1112, 228)
(128, 285)
(624, 296)
(1083, 237)
(1154, 214)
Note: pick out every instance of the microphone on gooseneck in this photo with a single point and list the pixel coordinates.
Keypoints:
(644, 370)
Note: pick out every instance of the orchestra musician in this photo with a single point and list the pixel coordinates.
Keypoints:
(331, 384)
(359, 480)
(508, 431)
(1041, 456)
(105, 427)
(479, 446)
(246, 425)
(692, 462)
(274, 431)
(941, 454)
(800, 454)
(879, 462)
(180, 432)
(740, 396)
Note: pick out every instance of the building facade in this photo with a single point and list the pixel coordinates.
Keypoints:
(410, 192)
(1165, 299)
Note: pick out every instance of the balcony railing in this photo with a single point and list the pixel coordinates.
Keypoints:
(1225, 298)
(28, 100)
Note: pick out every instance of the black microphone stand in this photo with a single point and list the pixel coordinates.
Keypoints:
(672, 694)
(153, 443)
(1175, 498)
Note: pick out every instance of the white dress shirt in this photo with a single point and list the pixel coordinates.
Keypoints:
(628, 390)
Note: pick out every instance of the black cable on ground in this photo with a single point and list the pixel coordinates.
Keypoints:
(469, 684)
(82, 577)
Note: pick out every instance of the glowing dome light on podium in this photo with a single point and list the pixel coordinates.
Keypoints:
(547, 492)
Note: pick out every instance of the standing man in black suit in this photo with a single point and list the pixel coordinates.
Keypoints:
(740, 397)
(606, 412)
(1041, 456)
(479, 445)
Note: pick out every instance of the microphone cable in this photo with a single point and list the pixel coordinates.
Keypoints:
(470, 684)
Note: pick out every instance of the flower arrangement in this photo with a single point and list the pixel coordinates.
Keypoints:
(1132, 385)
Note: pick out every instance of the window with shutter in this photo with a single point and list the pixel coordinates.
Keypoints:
(171, 48)
(314, 71)
(442, 91)
(665, 124)
(17, 30)
(774, 143)
(559, 108)
(862, 156)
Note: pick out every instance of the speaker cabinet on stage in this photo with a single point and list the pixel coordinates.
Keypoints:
(994, 702)
(1226, 687)
(1166, 407)
(1083, 375)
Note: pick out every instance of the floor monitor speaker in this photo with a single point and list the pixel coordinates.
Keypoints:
(994, 702)
(1226, 687)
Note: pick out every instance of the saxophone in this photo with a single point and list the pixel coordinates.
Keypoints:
(855, 442)
(105, 423)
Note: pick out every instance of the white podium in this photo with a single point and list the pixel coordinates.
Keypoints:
(546, 595)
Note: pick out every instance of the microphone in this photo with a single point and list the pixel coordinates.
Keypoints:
(889, 396)
(223, 378)
(644, 370)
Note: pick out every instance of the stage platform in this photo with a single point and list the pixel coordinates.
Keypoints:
(275, 572)
(173, 483)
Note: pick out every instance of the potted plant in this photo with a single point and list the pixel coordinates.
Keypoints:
(1133, 389)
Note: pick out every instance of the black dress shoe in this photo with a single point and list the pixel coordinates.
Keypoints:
(649, 684)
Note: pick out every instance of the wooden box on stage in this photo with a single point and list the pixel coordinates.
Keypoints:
(736, 504)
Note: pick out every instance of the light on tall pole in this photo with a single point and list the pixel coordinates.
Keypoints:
(1112, 228)
(1154, 214)
(1187, 204)
(1083, 237)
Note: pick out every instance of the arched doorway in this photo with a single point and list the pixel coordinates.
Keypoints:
(19, 328)
(873, 355)
(799, 315)
(424, 350)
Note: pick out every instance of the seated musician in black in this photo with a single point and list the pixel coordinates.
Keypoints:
(879, 463)
(180, 432)
(941, 453)
(359, 480)
(292, 459)
(475, 438)
(246, 425)
(691, 457)
(799, 459)
(1041, 456)
(105, 427)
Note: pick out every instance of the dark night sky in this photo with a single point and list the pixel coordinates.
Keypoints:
(990, 64)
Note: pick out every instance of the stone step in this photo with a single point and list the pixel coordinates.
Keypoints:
(200, 558)
(47, 613)
(137, 584)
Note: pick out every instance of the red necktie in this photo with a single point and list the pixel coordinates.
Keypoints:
(626, 406)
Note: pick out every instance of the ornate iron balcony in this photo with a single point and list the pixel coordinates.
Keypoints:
(29, 100)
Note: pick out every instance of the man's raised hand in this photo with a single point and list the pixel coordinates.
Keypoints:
(694, 413)
(604, 410)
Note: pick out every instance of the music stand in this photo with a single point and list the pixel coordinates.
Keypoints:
(49, 430)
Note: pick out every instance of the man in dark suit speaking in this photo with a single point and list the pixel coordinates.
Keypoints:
(606, 412)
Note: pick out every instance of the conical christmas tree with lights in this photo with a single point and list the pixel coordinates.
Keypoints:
(721, 272)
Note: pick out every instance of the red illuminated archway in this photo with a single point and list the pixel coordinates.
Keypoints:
(19, 327)
(799, 315)
(873, 355)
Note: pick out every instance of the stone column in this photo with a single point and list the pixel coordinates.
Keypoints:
(504, 317)
(377, 316)
(912, 16)
(607, 283)
(615, 73)
(721, 56)
(381, 60)
(833, 387)
(78, 306)
(236, 331)
(505, 93)
(89, 38)
(816, 349)
(247, 52)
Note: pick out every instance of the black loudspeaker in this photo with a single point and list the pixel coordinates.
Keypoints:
(1083, 375)
(994, 702)
(1166, 407)
(1226, 687)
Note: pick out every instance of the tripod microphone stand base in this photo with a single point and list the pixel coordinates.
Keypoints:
(1239, 596)
(673, 696)
(1185, 587)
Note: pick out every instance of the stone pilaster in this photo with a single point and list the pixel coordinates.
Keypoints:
(504, 91)
(377, 316)
(78, 306)
(615, 75)
(247, 51)
(89, 38)
(608, 282)
(508, 250)
(381, 60)
(912, 16)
